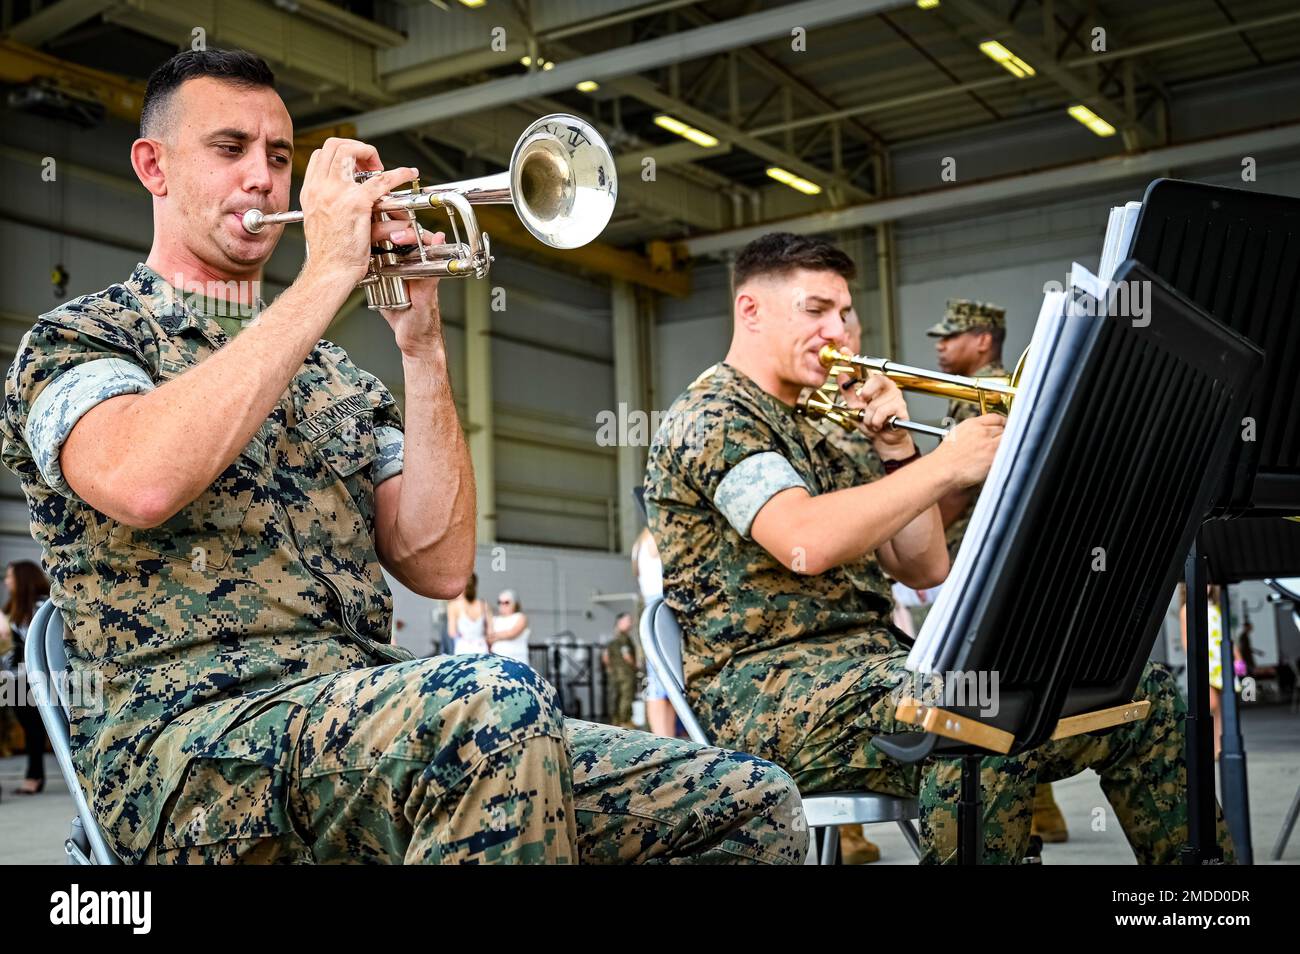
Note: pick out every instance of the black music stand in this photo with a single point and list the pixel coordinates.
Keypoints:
(1121, 466)
(1237, 255)
(1235, 551)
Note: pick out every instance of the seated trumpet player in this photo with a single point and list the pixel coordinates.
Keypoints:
(215, 502)
(775, 546)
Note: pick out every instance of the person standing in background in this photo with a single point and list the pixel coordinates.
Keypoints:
(509, 628)
(1214, 619)
(970, 339)
(27, 589)
(649, 572)
(619, 659)
(468, 619)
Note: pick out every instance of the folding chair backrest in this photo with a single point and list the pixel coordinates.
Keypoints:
(47, 663)
(661, 639)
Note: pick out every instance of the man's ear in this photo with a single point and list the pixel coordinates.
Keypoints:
(746, 310)
(147, 158)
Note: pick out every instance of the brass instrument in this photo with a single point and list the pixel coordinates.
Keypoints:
(561, 182)
(823, 402)
(994, 393)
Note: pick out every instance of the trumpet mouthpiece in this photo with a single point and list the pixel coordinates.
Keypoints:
(254, 221)
(830, 355)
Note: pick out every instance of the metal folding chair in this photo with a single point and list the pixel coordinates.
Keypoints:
(661, 638)
(47, 667)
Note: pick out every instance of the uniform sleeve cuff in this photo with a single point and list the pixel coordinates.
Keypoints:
(752, 483)
(388, 461)
(63, 402)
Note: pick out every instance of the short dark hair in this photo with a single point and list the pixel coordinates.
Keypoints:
(238, 67)
(778, 252)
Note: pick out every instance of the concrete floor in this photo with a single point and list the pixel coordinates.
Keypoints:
(32, 829)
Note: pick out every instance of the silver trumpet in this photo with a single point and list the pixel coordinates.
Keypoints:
(561, 182)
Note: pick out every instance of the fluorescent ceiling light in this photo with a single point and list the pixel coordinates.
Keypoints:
(674, 125)
(785, 177)
(587, 86)
(1090, 119)
(1010, 62)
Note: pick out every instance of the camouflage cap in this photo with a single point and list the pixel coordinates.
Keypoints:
(963, 314)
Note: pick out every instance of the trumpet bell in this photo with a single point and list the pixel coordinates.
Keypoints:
(562, 181)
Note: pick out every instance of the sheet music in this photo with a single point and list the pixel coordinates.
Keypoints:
(1119, 238)
(1057, 339)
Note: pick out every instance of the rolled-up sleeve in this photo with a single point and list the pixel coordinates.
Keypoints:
(66, 399)
(747, 486)
(388, 459)
(70, 360)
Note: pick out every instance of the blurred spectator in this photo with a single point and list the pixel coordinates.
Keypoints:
(27, 589)
(468, 618)
(619, 660)
(649, 572)
(1215, 627)
(509, 628)
(441, 644)
(1244, 655)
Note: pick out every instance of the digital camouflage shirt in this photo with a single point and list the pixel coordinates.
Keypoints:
(723, 450)
(267, 579)
(959, 411)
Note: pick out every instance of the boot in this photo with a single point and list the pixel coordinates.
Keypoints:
(1048, 823)
(855, 849)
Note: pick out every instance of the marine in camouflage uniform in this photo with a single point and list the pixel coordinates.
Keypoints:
(622, 675)
(799, 669)
(965, 315)
(254, 708)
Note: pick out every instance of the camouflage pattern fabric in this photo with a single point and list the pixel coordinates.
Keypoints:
(754, 632)
(622, 684)
(804, 670)
(622, 677)
(962, 314)
(959, 411)
(855, 445)
(466, 760)
(237, 640)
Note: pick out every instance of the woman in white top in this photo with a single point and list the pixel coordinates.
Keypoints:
(648, 568)
(509, 628)
(468, 620)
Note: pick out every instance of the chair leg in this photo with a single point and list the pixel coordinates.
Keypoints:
(830, 848)
(77, 845)
(913, 839)
(1284, 835)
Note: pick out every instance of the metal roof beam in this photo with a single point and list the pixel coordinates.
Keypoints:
(650, 94)
(953, 198)
(622, 62)
(1136, 133)
(56, 19)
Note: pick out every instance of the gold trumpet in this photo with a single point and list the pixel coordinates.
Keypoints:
(993, 393)
(561, 182)
(823, 402)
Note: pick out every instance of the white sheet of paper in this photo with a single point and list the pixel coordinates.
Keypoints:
(1119, 238)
